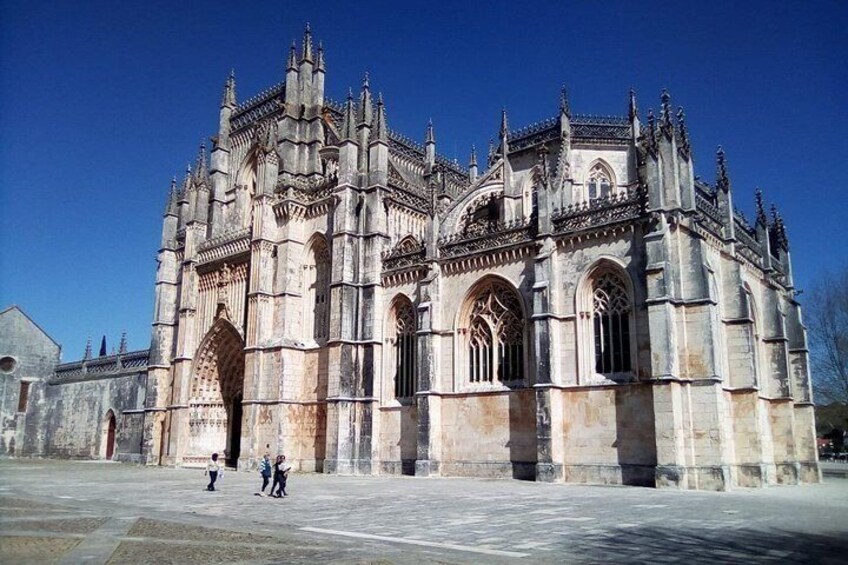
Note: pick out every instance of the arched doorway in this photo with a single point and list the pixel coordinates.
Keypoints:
(217, 391)
(109, 439)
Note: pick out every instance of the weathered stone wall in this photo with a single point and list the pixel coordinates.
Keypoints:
(609, 434)
(489, 434)
(69, 420)
(398, 439)
(28, 355)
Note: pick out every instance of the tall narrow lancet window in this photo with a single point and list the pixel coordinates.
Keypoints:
(611, 324)
(317, 291)
(599, 182)
(495, 335)
(404, 349)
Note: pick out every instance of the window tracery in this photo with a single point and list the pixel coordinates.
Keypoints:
(599, 182)
(495, 335)
(611, 309)
(317, 295)
(404, 346)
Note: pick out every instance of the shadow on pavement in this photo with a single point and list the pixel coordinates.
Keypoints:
(650, 545)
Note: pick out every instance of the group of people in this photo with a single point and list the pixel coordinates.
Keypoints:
(279, 470)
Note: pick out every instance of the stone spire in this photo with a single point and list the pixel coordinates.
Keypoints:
(652, 132)
(87, 354)
(490, 157)
(103, 347)
(632, 111)
(365, 107)
(504, 133)
(228, 98)
(472, 164)
(291, 65)
(319, 63)
(349, 122)
(381, 130)
(171, 206)
(187, 180)
(564, 107)
(430, 144)
(722, 178)
(761, 211)
(122, 347)
(684, 134)
(307, 44)
(200, 168)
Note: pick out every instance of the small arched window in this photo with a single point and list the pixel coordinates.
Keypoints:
(495, 335)
(404, 349)
(611, 310)
(316, 279)
(599, 182)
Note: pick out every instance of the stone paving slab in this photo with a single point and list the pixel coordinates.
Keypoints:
(414, 520)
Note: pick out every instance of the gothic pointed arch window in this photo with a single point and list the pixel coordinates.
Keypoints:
(611, 328)
(401, 340)
(606, 328)
(494, 330)
(599, 182)
(316, 296)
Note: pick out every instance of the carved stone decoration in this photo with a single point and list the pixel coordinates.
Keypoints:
(224, 278)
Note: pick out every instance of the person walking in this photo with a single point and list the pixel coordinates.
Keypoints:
(265, 471)
(281, 474)
(213, 468)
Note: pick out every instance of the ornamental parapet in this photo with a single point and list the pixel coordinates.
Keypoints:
(613, 209)
(101, 367)
(497, 235)
(407, 255)
(225, 245)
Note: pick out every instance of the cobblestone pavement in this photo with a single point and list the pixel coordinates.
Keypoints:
(94, 512)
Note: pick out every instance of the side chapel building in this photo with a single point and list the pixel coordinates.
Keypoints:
(578, 306)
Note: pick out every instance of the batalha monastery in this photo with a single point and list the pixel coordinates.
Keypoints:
(575, 306)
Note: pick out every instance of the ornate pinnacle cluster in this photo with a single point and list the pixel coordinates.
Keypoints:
(491, 154)
(665, 113)
(473, 161)
(779, 229)
(761, 211)
(722, 178)
(319, 63)
(201, 170)
(681, 128)
(430, 134)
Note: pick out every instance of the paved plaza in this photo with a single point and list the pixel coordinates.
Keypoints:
(94, 512)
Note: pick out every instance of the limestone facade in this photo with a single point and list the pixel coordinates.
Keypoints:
(578, 308)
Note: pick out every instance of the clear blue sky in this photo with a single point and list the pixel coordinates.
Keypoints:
(101, 103)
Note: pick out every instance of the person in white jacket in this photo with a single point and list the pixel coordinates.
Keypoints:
(213, 469)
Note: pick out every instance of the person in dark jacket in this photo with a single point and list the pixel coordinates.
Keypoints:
(281, 474)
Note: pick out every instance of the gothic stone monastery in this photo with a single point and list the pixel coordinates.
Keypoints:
(578, 307)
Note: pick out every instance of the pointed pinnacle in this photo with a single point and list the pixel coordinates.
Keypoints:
(504, 124)
(761, 213)
(320, 64)
(564, 107)
(430, 136)
(365, 83)
(292, 62)
(382, 131)
(473, 162)
(632, 110)
(307, 43)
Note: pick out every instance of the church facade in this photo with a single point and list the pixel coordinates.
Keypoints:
(576, 307)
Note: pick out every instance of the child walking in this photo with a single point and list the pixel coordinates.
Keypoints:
(213, 468)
